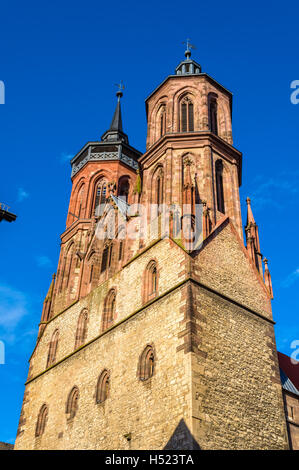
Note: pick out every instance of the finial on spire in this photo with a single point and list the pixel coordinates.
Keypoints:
(119, 92)
(115, 132)
(189, 46)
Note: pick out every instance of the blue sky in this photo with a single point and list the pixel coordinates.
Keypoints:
(59, 62)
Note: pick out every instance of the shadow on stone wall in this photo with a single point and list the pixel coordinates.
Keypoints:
(182, 439)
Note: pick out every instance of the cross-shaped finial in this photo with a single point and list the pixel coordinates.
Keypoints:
(189, 47)
(120, 87)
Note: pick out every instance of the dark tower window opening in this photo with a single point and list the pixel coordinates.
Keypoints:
(120, 253)
(104, 258)
(124, 188)
(213, 120)
(162, 122)
(219, 186)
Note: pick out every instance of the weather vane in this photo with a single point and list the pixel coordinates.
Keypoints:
(120, 87)
(189, 47)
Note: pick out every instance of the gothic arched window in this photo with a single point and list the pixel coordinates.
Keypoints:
(53, 348)
(150, 281)
(186, 117)
(146, 365)
(41, 421)
(162, 121)
(100, 197)
(219, 186)
(72, 403)
(103, 385)
(109, 310)
(212, 103)
(81, 331)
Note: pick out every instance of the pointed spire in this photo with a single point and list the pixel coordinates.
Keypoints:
(267, 275)
(116, 123)
(115, 132)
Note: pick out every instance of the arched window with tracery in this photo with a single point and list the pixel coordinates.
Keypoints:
(81, 332)
(186, 118)
(150, 281)
(213, 118)
(72, 403)
(146, 366)
(53, 348)
(219, 186)
(124, 188)
(109, 310)
(101, 192)
(103, 386)
(41, 420)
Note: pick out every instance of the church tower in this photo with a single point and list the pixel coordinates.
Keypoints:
(154, 335)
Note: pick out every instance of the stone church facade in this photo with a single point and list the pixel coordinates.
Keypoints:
(158, 335)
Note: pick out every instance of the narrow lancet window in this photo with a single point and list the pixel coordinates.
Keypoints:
(146, 363)
(103, 387)
(81, 331)
(213, 124)
(219, 186)
(72, 403)
(41, 421)
(53, 348)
